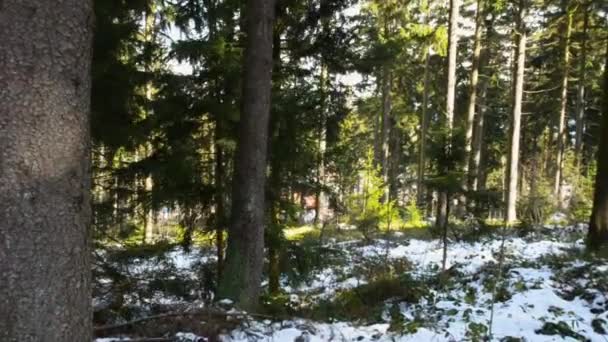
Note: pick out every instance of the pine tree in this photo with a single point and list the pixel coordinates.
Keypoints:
(515, 128)
(245, 251)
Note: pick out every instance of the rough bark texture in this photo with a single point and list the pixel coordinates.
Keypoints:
(598, 225)
(245, 251)
(44, 170)
(561, 133)
(514, 137)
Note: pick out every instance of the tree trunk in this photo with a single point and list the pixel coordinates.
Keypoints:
(473, 90)
(561, 133)
(580, 102)
(598, 225)
(513, 163)
(452, 53)
(442, 204)
(386, 128)
(478, 139)
(45, 83)
(423, 131)
(322, 205)
(478, 133)
(219, 203)
(245, 251)
(149, 37)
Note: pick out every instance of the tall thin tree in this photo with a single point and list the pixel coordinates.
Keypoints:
(470, 119)
(561, 133)
(515, 128)
(443, 203)
(245, 252)
(45, 87)
(580, 91)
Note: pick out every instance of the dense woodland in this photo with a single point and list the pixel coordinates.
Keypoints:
(280, 170)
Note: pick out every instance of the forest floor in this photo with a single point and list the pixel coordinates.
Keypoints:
(539, 287)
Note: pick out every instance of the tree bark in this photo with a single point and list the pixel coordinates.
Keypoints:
(561, 133)
(386, 128)
(580, 103)
(598, 225)
(321, 204)
(513, 163)
(245, 251)
(470, 119)
(423, 131)
(478, 140)
(45, 87)
(479, 131)
(442, 203)
(452, 53)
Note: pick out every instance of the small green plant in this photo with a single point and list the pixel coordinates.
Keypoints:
(581, 202)
(477, 331)
(367, 209)
(560, 328)
(534, 209)
(413, 215)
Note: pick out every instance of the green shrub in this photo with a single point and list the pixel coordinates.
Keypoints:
(413, 216)
(581, 202)
(366, 208)
(534, 209)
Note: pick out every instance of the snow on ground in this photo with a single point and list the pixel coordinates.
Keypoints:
(462, 312)
(543, 288)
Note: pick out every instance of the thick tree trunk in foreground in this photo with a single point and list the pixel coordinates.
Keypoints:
(514, 139)
(245, 251)
(44, 170)
(561, 134)
(598, 225)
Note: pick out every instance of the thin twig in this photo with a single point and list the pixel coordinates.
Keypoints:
(498, 278)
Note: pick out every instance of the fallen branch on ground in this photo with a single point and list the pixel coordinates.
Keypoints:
(208, 312)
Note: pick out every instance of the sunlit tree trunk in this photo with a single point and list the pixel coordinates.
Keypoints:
(386, 127)
(322, 205)
(45, 83)
(478, 139)
(561, 133)
(245, 251)
(598, 225)
(514, 136)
